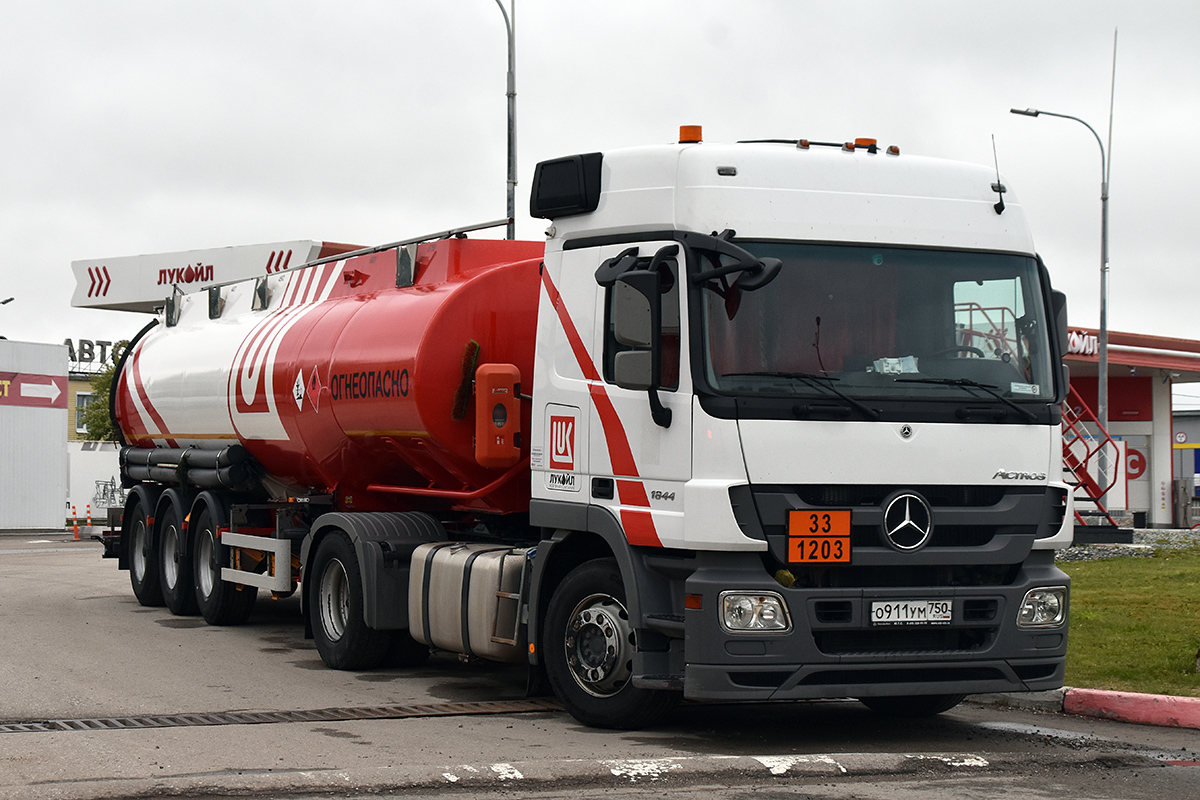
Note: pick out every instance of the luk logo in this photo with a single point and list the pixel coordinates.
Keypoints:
(562, 443)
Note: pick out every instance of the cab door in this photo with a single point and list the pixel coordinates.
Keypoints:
(640, 460)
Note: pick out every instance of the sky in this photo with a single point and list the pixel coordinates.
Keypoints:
(139, 126)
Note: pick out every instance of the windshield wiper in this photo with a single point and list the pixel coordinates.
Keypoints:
(816, 381)
(967, 383)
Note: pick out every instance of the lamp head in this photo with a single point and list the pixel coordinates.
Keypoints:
(1025, 112)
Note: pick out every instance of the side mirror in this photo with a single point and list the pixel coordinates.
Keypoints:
(636, 309)
(637, 323)
(1058, 304)
(634, 369)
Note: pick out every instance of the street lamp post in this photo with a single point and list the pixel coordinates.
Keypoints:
(1102, 378)
(510, 23)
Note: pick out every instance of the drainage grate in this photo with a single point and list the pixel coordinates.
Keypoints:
(275, 717)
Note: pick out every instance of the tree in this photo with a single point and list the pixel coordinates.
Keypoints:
(99, 424)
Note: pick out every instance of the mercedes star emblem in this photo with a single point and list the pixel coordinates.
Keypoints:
(907, 522)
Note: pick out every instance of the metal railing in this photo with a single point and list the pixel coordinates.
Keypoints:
(1079, 447)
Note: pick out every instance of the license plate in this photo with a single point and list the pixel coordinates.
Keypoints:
(818, 537)
(911, 612)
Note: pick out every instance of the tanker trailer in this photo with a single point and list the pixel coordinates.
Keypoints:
(343, 386)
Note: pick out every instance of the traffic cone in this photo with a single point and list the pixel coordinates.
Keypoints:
(89, 515)
(75, 522)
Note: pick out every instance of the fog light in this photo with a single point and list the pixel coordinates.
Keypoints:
(742, 612)
(1043, 608)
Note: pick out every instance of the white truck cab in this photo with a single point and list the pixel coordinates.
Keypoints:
(814, 389)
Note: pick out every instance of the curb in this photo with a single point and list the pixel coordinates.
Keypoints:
(1141, 709)
(1049, 702)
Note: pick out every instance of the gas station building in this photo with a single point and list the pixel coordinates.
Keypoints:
(1155, 462)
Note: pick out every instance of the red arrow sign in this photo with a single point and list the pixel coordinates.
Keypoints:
(39, 391)
(100, 282)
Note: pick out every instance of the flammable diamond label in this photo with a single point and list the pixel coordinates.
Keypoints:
(314, 390)
(298, 390)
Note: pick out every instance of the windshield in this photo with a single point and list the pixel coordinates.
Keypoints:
(878, 322)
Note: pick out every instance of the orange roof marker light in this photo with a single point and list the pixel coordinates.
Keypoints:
(690, 134)
(871, 144)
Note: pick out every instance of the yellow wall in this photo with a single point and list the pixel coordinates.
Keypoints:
(74, 386)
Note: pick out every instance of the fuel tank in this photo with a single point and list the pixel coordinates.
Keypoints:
(336, 380)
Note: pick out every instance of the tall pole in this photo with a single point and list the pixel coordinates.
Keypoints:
(510, 23)
(1105, 166)
(1102, 384)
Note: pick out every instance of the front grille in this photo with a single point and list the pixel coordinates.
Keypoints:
(898, 577)
(903, 641)
(841, 495)
(943, 535)
(980, 535)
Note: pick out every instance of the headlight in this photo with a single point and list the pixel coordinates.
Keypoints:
(742, 612)
(1043, 608)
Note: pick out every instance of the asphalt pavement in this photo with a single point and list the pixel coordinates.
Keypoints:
(1131, 707)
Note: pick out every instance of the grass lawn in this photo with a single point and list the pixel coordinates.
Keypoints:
(1135, 623)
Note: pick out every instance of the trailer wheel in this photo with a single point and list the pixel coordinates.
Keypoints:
(921, 705)
(589, 645)
(144, 576)
(220, 602)
(339, 630)
(175, 561)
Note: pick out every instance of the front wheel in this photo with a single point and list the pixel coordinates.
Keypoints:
(220, 602)
(144, 575)
(589, 643)
(921, 705)
(336, 607)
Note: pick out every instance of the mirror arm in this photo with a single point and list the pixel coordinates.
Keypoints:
(669, 251)
(658, 412)
(717, 272)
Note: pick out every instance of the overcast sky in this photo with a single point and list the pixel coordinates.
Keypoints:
(139, 127)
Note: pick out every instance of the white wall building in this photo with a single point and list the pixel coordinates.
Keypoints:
(33, 428)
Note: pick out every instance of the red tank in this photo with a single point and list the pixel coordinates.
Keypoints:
(336, 381)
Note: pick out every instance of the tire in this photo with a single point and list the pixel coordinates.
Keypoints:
(175, 565)
(921, 705)
(336, 608)
(144, 574)
(588, 646)
(219, 602)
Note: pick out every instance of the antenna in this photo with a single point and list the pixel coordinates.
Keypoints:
(997, 187)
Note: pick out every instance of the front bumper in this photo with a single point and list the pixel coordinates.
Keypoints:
(833, 650)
